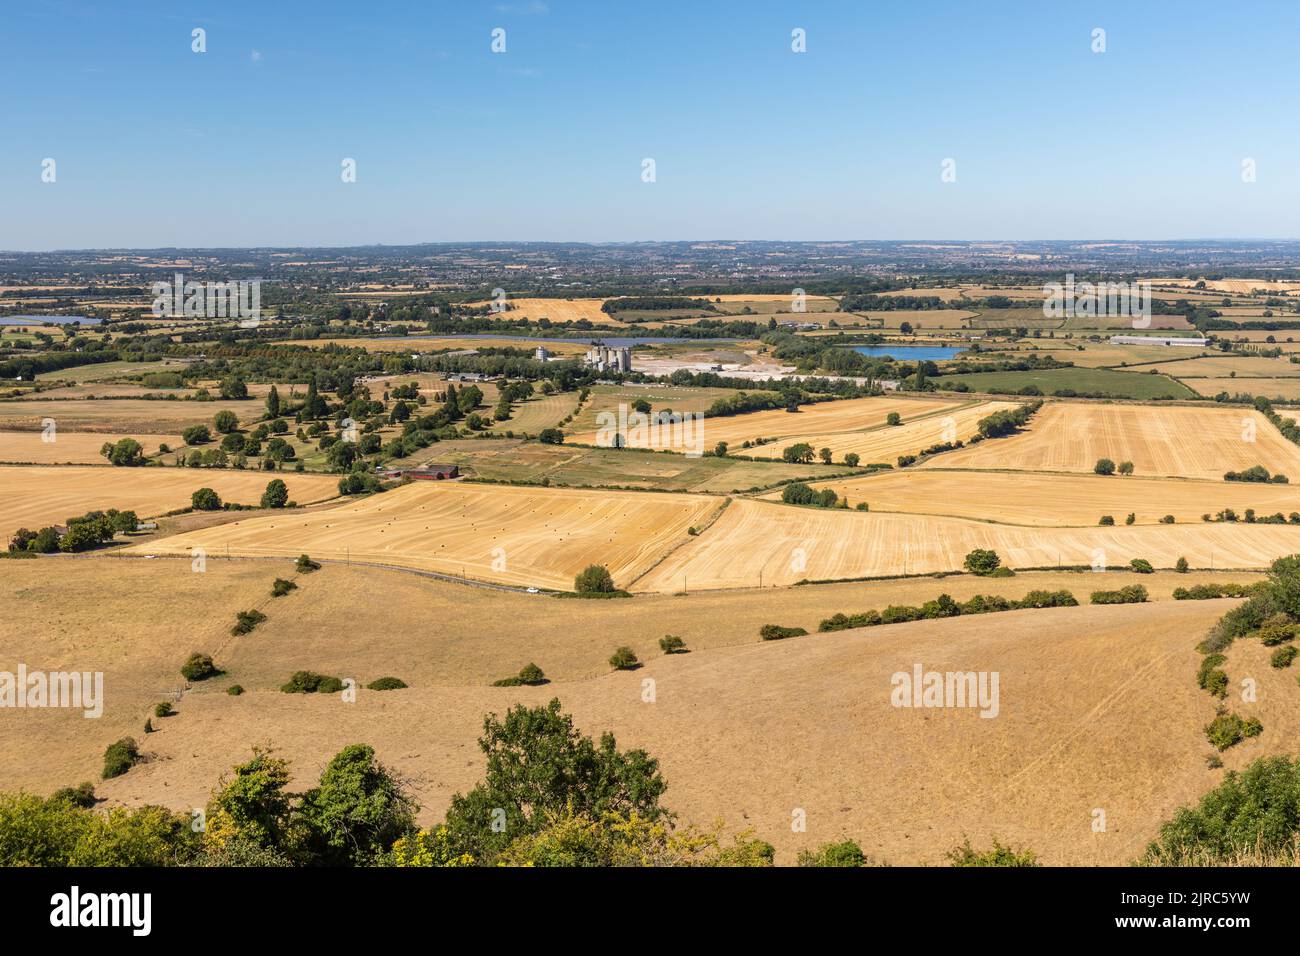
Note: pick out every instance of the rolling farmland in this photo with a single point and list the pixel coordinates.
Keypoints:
(1057, 500)
(32, 497)
(521, 536)
(783, 544)
(1173, 441)
(75, 448)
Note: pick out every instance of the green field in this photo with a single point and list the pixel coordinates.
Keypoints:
(1083, 381)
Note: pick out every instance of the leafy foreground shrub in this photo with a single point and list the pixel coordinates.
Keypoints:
(199, 667)
(120, 757)
(775, 632)
(672, 644)
(281, 587)
(387, 683)
(529, 676)
(305, 565)
(623, 659)
(1252, 817)
(1129, 594)
(163, 709)
(1141, 566)
(1283, 656)
(1227, 730)
(308, 682)
(234, 690)
(844, 853)
(245, 621)
(1276, 630)
(997, 855)
(82, 795)
(1210, 677)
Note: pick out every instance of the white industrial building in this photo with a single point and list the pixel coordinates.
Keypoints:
(605, 359)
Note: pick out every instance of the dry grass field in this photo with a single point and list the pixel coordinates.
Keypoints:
(1223, 366)
(885, 443)
(540, 411)
(821, 419)
(523, 536)
(544, 536)
(128, 416)
(784, 544)
(75, 448)
(608, 398)
(1287, 389)
(1171, 441)
(560, 311)
(32, 497)
(745, 731)
(1057, 500)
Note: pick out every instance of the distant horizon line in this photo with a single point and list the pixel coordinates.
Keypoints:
(650, 242)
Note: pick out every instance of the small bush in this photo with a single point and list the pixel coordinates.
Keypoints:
(80, 796)
(1141, 566)
(387, 683)
(1283, 656)
(1129, 594)
(120, 757)
(1278, 629)
(1181, 565)
(997, 855)
(163, 710)
(529, 676)
(205, 499)
(305, 565)
(1106, 521)
(844, 853)
(245, 621)
(199, 667)
(1226, 730)
(234, 690)
(775, 632)
(623, 659)
(281, 587)
(1104, 466)
(672, 644)
(309, 682)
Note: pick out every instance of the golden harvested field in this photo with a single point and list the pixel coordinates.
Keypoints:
(1056, 500)
(1173, 441)
(514, 535)
(1221, 366)
(562, 311)
(130, 416)
(608, 398)
(783, 544)
(1087, 717)
(75, 448)
(540, 411)
(885, 444)
(823, 418)
(1284, 388)
(33, 497)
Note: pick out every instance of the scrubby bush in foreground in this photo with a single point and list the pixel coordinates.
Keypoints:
(120, 757)
(309, 682)
(1252, 817)
(775, 632)
(1226, 730)
(199, 667)
(1129, 594)
(387, 683)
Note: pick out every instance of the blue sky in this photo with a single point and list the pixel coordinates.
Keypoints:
(156, 145)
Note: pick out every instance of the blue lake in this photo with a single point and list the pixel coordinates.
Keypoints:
(911, 353)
